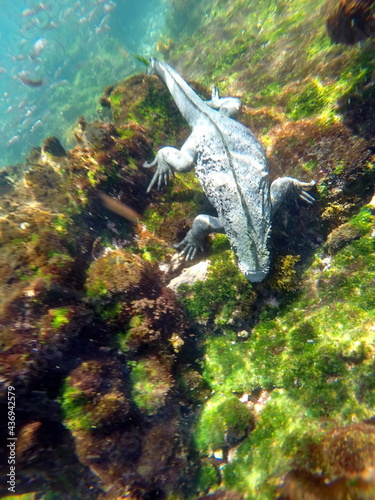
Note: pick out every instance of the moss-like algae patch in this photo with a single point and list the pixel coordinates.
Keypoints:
(224, 422)
(223, 292)
(151, 382)
(314, 356)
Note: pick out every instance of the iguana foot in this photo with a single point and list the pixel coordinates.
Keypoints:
(228, 106)
(163, 171)
(288, 186)
(167, 161)
(193, 241)
(190, 246)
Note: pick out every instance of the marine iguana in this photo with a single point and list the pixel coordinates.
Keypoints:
(232, 169)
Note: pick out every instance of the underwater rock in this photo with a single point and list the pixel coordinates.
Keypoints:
(113, 439)
(222, 494)
(33, 156)
(95, 397)
(190, 275)
(45, 457)
(96, 134)
(347, 457)
(104, 99)
(305, 145)
(151, 381)
(53, 147)
(341, 236)
(349, 450)
(142, 100)
(97, 411)
(120, 272)
(350, 21)
(57, 332)
(223, 423)
(158, 323)
(6, 183)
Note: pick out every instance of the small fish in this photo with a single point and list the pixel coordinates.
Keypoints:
(22, 103)
(34, 22)
(36, 125)
(57, 73)
(91, 14)
(14, 139)
(30, 110)
(49, 26)
(25, 121)
(38, 48)
(108, 6)
(59, 83)
(20, 57)
(29, 82)
(102, 25)
(66, 14)
(119, 208)
(2, 70)
(31, 11)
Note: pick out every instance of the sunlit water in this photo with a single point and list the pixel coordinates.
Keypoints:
(58, 56)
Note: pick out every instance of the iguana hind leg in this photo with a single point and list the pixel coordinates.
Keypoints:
(288, 186)
(228, 106)
(202, 226)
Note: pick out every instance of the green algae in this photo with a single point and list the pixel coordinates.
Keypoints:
(60, 317)
(267, 64)
(111, 312)
(314, 356)
(207, 477)
(281, 440)
(284, 276)
(124, 337)
(224, 290)
(74, 407)
(223, 422)
(26, 496)
(150, 382)
(149, 105)
(310, 101)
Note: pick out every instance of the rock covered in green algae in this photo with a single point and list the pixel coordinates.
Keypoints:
(223, 423)
(346, 454)
(318, 350)
(94, 396)
(121, 272)
(55, 337)
(151, 382)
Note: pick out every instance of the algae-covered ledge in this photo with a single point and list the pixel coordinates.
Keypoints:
(225, 389)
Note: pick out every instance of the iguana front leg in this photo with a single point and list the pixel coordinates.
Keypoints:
(170, 159)
(288, 186)
(202, 226)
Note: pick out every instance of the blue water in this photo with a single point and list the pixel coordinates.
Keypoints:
(57, 57)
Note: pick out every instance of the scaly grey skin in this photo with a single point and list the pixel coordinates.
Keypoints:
(232, 169)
